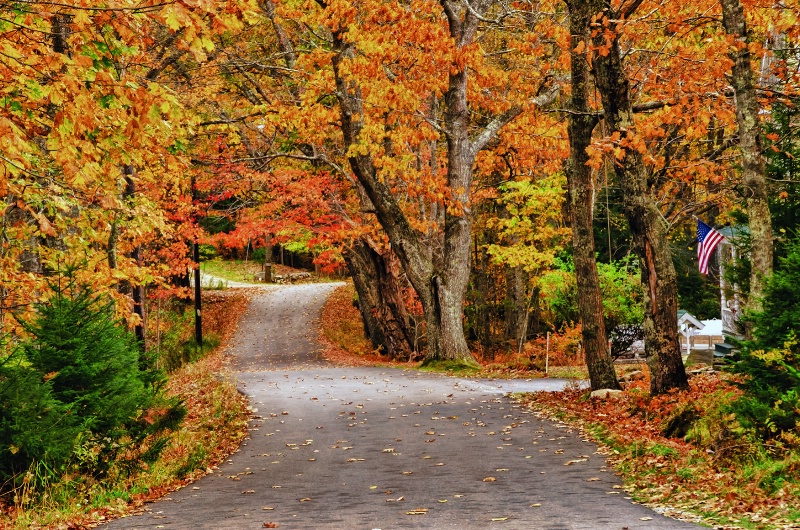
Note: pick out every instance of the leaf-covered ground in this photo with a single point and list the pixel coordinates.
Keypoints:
(671, 473)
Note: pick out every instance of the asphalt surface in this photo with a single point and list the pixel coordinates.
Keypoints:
(371, 448)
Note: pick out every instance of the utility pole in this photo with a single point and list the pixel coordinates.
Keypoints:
(198, 318)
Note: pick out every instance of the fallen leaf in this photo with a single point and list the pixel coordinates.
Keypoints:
(536, 504)
(489, 479)
(305, 499)
(645, 518)
(417, 511)
(270, 525)
(499, 519)
(245, 492)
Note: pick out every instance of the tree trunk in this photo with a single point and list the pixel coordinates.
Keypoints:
(581, 209)
(516, 305)
(380, 297)
(648, 227)
(441, 286)
(754, 182)
(136, 291)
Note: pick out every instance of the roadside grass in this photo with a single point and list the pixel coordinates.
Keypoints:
(703, 471)
(232, 270)
(456, 368)
(215, 425)
(242, 271)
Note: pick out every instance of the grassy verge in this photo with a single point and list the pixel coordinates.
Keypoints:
(240, 270)
(232, 270)
(735, 484)
(215, 425)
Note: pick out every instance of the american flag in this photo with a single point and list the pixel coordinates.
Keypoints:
(707, 241)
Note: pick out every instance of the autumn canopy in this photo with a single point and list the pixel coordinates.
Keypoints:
(463, 160)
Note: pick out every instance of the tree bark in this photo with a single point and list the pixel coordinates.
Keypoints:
(441, 284)
(380, 296)
(754, 183)
(648, 227)
(581, 209)
(517, 302)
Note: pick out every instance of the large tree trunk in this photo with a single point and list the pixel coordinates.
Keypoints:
(754, 182)
(440, 284)
(581, 209)
(380, 297)
(648, 227)
(516, 314)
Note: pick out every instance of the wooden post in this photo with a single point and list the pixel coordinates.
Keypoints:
(547, 355)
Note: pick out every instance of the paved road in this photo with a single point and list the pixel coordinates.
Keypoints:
(355, 448)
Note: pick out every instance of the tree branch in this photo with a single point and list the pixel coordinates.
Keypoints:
(480, 141)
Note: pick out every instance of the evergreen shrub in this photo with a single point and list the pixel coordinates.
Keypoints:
(78, 393)
(770, 361)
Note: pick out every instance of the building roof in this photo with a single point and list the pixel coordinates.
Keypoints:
(711, 327)
(732, 233)
(684, 317)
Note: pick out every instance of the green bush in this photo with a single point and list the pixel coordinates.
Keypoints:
(770, 361)
(78, 392)
(770, 406)
(33, 424)
(207, 252)
(623, 299)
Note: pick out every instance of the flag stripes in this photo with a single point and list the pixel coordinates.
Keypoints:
(707, 241)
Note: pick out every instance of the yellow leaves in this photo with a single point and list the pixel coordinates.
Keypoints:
(81, 17)
(171, 19)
